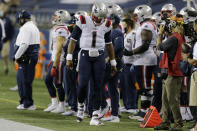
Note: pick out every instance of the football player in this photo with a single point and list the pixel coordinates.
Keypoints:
(146, 59)
(54, 76)
(71, 75)
(94, 34)
(128, 79)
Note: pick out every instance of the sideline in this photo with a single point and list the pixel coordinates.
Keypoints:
(7, 125)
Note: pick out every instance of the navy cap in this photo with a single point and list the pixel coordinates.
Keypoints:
(115, 18)
(24, 15)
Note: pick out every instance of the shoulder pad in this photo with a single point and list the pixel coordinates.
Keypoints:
(108, 23)
(154, 26)
(82, 19)
(60, 29)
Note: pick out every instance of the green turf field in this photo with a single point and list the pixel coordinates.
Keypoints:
(9, 101)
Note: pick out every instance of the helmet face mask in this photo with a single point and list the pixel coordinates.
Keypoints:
(143, 12)
(168, 10)
(60, 17)
(97, 20)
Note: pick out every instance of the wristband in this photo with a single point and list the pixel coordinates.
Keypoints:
(69, 57)
(113, 62)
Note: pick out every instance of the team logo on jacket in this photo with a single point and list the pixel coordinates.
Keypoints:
(128, 40)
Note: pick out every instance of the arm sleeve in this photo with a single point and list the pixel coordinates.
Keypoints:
(168, 44)
(118, 44)
(107, 37)
(9, 30)
(141, 49)
(21, 50)
(76, 34)
(26, 35)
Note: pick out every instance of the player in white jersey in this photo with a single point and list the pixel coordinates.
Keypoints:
(94, 34)
(55, 69)
(146, 59)
(128, 76)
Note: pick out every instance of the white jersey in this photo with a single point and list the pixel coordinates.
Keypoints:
(148, 57)
(92, 37)
(58, 31)
(28, 34)
(129, 44)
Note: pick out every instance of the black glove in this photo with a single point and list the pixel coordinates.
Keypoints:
(127, 53)
(23, 60)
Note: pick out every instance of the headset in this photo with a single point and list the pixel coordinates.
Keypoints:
(22, 15)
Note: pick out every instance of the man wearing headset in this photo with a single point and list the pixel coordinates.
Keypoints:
(26, 55)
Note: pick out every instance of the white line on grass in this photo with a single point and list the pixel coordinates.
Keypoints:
(7, 125)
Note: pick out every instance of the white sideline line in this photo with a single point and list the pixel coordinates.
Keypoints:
(7, 125)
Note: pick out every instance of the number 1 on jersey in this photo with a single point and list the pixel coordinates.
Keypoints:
(94, 34)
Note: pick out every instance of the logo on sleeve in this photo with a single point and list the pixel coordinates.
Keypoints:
(128, 40)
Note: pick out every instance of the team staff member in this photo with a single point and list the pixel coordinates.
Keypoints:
(112, 81)
(28, 43)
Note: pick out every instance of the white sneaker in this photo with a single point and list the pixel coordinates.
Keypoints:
(60, 108)
(69, 113)
(183, 113)
(80, 112)
(20, 107)
(51, 107)
(32, 108)
(95, 120)
(139, 115)
(123, 109)
(111, 119)
(189, 114)
(140, 119)
(132, 111)
(14, 88)
(103, 111)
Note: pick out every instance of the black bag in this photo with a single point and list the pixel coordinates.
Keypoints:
(185, 67)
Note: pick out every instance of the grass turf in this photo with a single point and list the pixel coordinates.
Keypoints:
(9, 101)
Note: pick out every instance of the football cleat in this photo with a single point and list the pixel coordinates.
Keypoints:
(80, 112)
(111, 119)
(51, 107)
(60, 108)
(69, 113)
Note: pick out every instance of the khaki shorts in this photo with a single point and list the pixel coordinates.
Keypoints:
(193, 90)
(6, 49)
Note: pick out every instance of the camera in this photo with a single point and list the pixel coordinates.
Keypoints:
(166, 22)
(189, 30)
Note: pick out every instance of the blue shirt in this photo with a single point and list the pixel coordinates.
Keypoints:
(118, 42)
